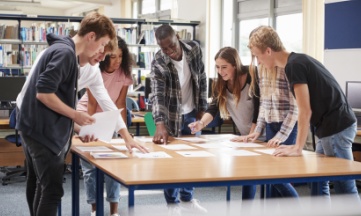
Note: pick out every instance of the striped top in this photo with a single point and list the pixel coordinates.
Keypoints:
(277, 106)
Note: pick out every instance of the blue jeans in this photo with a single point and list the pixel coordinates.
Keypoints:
(186, 194)
(112, 186)
(286, 189)
(337, 145)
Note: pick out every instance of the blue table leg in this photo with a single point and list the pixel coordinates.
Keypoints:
(137, 129)
(131, 196)
(228, 193)
(99, 192)
(75, 184)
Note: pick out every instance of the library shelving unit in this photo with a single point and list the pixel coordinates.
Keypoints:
(22, 37)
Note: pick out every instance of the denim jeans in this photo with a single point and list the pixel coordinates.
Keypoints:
(45, 170)
(285, 189)
(337, 145)
(186, 194)
(112, 186)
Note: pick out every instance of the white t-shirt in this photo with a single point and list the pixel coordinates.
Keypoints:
(184, 75)
(89, 77)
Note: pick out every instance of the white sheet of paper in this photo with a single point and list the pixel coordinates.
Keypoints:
(157, 154)
(144, 139)
(116, 141)
(104, 125)
(240, 153)
(195, 153)
(93, 148)
(211, 145)
(108, 155)
(192, 139)
(266, 151)
(124, 148)
(177, 146)
(242, 145)
(120, 147)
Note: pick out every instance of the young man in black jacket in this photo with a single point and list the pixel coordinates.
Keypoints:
(46, 110)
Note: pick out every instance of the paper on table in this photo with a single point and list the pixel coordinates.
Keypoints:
(192, 139)
(240, 153)
(124, 148)
(271, 150)
(106, 155)
(195, 153)
(210, 145)
(93, 148)
(116, 141)
(104, 125)
(177, 146)
(158, 154)
(144, 139)
(243, 144)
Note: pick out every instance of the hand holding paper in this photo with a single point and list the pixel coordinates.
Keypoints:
(104, 126)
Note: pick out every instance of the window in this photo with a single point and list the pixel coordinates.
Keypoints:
(148, 6)
(245, 28)
(289, 28)
(227, 22)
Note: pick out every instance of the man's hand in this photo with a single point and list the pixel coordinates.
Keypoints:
(287, 150)
(83, 118)
(161, 134)
(134, 144)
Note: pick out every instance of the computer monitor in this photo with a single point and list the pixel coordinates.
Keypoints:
(10, 87)
(353, 94)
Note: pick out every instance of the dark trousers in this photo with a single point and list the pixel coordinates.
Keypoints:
(45, 170)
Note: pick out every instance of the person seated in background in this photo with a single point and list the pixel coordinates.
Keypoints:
(106, 89)
(230, 97)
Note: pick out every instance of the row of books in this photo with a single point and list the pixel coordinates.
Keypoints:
(24, 57)
(145, 59)
(37, 32)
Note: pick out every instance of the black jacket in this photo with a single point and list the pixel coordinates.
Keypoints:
(56, 72)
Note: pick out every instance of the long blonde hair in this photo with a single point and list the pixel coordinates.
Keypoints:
(263, 37)
(219, 87)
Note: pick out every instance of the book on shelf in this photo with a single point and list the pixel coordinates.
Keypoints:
(107, 155)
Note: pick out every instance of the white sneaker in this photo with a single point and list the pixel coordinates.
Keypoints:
(93, 213)
(174, 210)
(115, 215)
(194, 206)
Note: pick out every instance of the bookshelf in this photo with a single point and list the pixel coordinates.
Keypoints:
(22, 37)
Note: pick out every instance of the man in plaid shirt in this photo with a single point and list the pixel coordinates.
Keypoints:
(179, 97)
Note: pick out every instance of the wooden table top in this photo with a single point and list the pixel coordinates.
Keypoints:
(358, 132)
(4, 123)
(220, 167)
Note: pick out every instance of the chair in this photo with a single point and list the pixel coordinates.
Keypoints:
(13, 174)
(149, 122)
(132, 104)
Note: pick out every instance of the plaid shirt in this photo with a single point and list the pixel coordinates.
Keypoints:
(166, 94)
(278, 106)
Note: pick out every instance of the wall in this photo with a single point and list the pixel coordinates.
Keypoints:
(208, 32)
(342, 40)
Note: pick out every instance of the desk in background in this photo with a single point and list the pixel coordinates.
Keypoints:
(219, 170)
(138, 119)
(4, 123)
